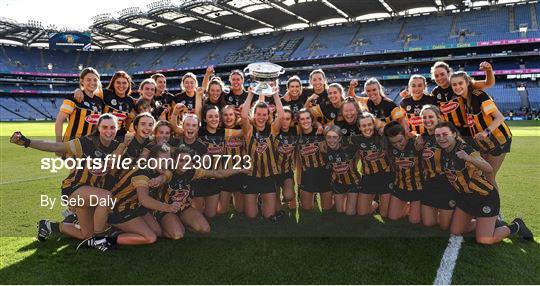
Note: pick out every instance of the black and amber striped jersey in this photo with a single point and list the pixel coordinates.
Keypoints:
(215, 145)
(260, 147)
(325, 112)
(412, 109)
(121, 107)
(295, 104)
(234, 146)
(407, 166)
(348, 129)
(82, 116)
(479, 117)
(385, 111)
(431, 154)
(285, 143)
(91, 174)
(188, 101)
(166, 104)
(198, 146)
(308, 91)
(464, 176)
(135, 147)
(178, 188)
(452, 107)
(342, 164)
(125, 189)
(310, 150)
(236, 100)
(372, 154)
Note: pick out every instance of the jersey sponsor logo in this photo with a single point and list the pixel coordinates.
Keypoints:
(92, 118)
(373, 156)
(342, 168)
(451, 175)
(286, 149)
(261, 148)
(121, 116)
(449, 107)
(427, 154)
(98, 172)
(405, 163)
(234, 143)
(415, 121)
(212, 150)
(470, 120)
(309, 150)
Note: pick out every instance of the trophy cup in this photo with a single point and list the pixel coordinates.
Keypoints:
(262, 74)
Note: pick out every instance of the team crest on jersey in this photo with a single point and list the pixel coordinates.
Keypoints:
(261, 148)
(470, 120)
(363, 145)
(408, 108)
(344, 131)
(87, 104)
(415, 121)
(92, 118)
(449, 107)
(332, 115)
(180, 196)
(309, 150)
(114, 102)
(405, 163)
(427, 153)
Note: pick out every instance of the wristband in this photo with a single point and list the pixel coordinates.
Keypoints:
(26, 141)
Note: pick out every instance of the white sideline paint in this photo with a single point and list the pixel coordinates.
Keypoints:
(29, 180)
(448, 261)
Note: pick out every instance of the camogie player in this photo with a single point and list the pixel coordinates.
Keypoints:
(134, 191)
(439, 199)
(486, 123)
(187, 96)
(81, 115)
(237, 94)
(284, 144)
(477, 199)
(314, 177)
(412, 105)
(318, 85)
(377, 178)
(215, 96)
(327, 111)
(163, 98)
(348, 119)
(234, 147)
(378, 104)
(83, 182)
(342, 162)
(407, 166)
(259, 145)
(293, 97)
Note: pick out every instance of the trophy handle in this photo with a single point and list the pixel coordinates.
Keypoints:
(247, 71)
(282, 71)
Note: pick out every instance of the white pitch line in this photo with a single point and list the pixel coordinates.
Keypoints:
(28, 180)
(448, 261)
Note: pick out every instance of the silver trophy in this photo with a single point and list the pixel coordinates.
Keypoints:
(263, 73)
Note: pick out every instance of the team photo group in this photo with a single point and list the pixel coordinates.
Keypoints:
(264, 147)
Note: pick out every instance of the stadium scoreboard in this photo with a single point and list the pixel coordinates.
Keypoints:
(75, 41)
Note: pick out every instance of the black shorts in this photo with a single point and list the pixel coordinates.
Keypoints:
(315, 180)
(233, 184)
(340, 189)
(439, 194)
(126, 215)
(206, 187)
(253, 185)
(478, 205)
(280, 179)
(378, 183)
(159, 215)
(408, 196)
(500, 149)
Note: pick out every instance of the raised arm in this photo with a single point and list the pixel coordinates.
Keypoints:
(490, 77)
(19, 139)
(244, 114)
(352, 86)
(199, 101)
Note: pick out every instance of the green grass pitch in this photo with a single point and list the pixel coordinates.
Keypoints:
(320, 249)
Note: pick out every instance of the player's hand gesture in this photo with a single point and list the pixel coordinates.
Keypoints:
(17, 138)
(174, 207)
(485, 66)
(461, 154)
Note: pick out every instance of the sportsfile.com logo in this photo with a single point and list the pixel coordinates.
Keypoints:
(101, 166)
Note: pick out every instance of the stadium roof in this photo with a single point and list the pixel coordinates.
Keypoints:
(175, 21)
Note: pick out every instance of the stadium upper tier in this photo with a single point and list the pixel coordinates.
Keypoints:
(397, 34)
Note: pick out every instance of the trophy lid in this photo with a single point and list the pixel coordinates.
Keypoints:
(264, 68)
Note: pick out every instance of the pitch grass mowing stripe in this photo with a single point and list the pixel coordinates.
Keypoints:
(448, 261)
